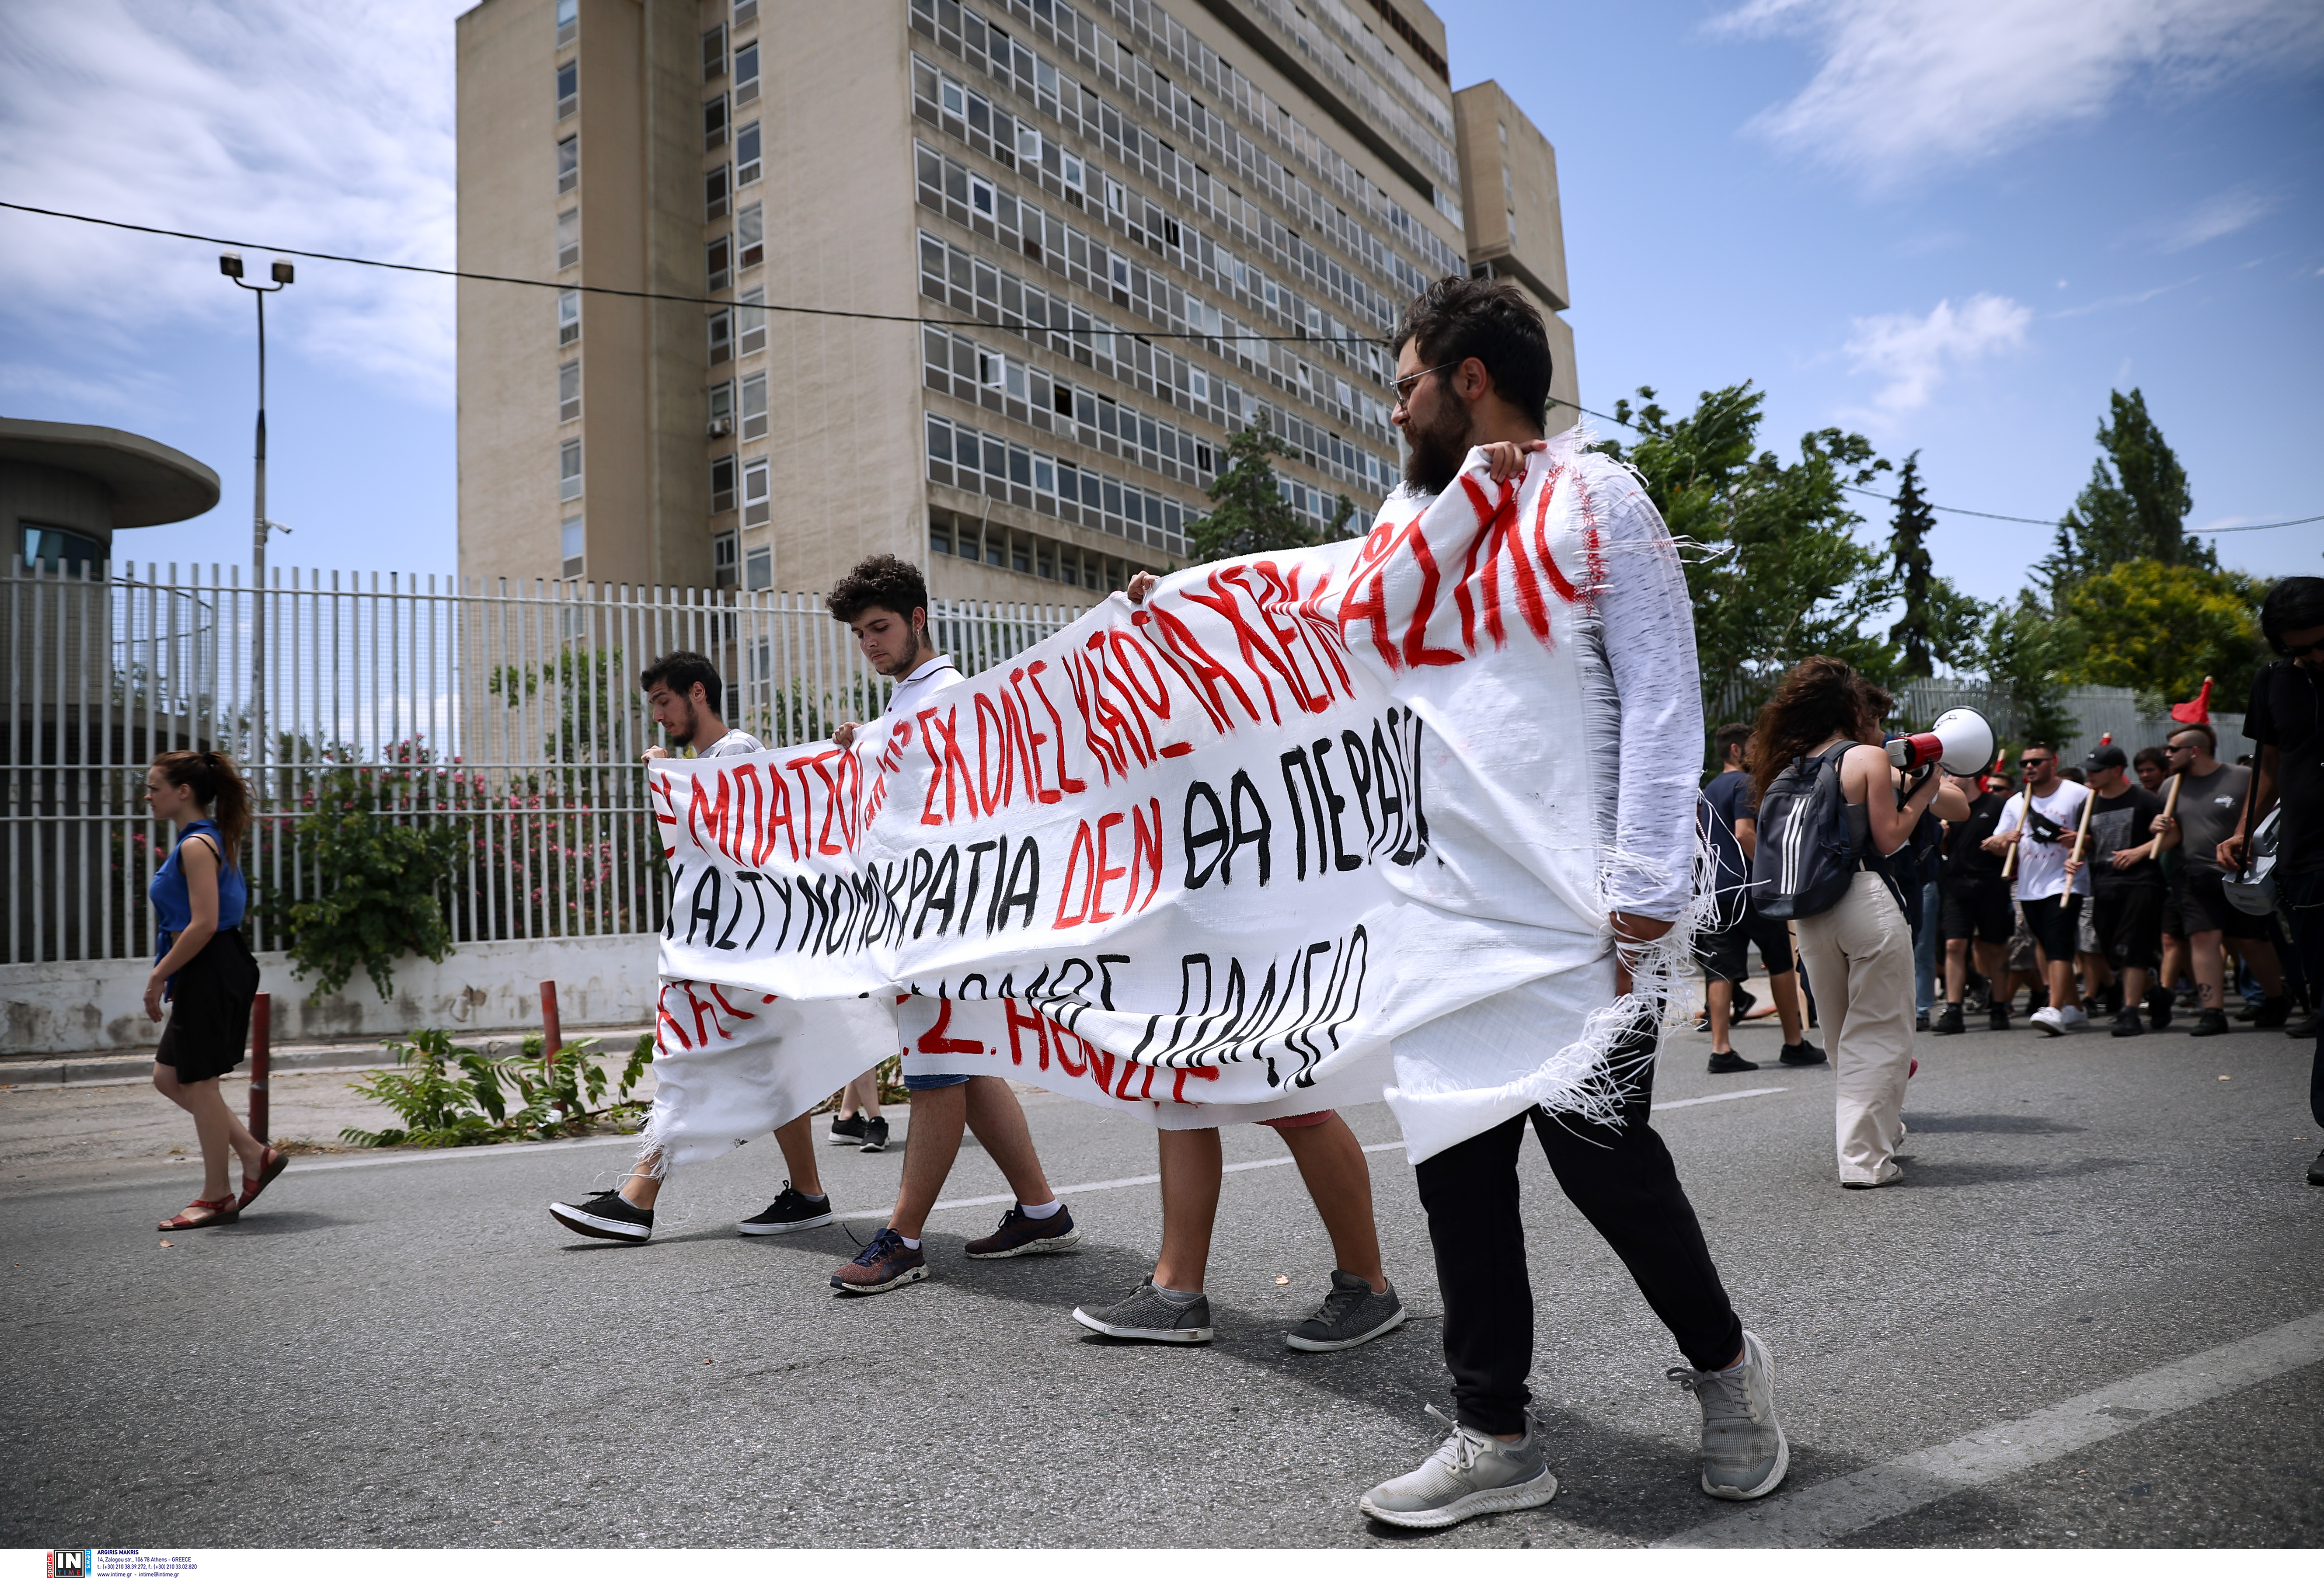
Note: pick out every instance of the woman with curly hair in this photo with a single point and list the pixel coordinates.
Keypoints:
(204, 970)
(1860, 953)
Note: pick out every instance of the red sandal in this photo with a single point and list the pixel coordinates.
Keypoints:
(221, 1211)
(275, 1162)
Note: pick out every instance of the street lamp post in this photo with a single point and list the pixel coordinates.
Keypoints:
(230, 265)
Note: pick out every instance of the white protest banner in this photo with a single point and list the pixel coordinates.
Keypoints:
(1212, 858)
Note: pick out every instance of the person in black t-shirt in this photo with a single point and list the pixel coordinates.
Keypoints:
(2286, 717)
(1973, 905)
(1727, 816)
(2126, 882)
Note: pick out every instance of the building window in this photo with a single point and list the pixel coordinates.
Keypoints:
(713, 123)
(980, 195)
(568, 317)
(751, 237)
(569, 88)
(57, 549)
(751, 323)
(746, 154)
(1115, 198)
(722, 559)
(568, 21)
(721, 484)
(1029, 143)
(714, 194)
(721, 410)
(718, 263)
(569, 391)
(745, 11)
(757, 504)
(568, 163)
(746, 72)
(714, 53)
(939, 537)
(754, 407)
(568, 469)
(568, 238)
(572, 544)
(758, 569)
(722, 337)
(1073, 170)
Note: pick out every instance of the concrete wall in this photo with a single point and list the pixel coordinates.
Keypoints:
(86, 1007)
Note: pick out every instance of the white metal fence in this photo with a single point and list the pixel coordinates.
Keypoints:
(511, 714)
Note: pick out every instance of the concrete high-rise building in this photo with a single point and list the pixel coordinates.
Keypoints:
(1085, 243)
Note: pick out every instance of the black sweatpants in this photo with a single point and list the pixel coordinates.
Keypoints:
(1625, 1183)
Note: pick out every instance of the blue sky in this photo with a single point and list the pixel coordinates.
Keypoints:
(1953, 226)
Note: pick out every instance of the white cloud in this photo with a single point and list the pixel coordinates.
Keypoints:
(326, 127)
(2222, 215)
(1912, 355)
(1906, 83)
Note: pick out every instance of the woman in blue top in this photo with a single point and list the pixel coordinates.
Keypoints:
(203, 968)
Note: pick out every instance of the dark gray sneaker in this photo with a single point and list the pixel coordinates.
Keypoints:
(1149, 1314)
(1350, 1314)
(1744, 1454)
(605, 1216)
(1472, 1472)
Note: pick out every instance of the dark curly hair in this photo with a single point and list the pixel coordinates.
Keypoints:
(881, 582)
(1817, 699)
(682, 672)
(1458, 318)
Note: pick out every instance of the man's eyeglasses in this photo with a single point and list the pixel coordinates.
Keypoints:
(2027, 762)
(1405, 385)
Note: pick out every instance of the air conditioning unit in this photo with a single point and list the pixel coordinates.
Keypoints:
(720, 426)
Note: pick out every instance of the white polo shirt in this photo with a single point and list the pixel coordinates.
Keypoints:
(912, 692)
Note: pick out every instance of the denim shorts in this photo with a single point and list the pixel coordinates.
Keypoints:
(930, 1083)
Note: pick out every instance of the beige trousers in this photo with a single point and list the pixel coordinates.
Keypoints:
(1859, 961)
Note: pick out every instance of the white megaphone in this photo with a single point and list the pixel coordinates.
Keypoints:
(1960, 741)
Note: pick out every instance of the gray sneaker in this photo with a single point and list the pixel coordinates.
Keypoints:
(1472, 1472)
(1149, 1314)
(1350, 1314)
(1744, 1454)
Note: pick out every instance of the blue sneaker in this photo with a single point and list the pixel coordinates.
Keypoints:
(883, 1264)
(1020, 1235)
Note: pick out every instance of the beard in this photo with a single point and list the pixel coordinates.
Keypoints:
(1438, 448)
(693, 725)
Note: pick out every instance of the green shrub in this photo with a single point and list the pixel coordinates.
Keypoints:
(450, 1095)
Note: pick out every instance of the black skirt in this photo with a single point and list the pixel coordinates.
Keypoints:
(209, 1009)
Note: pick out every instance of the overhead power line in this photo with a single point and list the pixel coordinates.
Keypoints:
(707, 301)
(657, 296)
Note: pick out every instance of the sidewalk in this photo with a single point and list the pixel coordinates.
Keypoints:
(100, 1117)
(366, 1053)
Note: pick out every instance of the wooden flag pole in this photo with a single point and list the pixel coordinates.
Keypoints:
(2025, 809)
(2082, 833)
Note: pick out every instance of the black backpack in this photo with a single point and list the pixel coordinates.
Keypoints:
(1806, 856)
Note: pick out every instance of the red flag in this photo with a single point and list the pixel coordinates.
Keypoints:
(2197, 711)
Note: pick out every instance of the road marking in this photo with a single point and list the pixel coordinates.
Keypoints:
(1832, 1511)
(1722, 1098)
(504, 1149)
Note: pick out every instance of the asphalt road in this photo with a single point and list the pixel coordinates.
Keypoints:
(410, 1353)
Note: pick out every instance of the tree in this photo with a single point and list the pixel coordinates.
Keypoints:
(2134, 506)
(1774, 568)
(2025, 654)
(1914, 635)
(1248, 514)
(2160, 629)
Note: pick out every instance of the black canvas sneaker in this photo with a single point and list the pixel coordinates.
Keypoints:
(605, 1216)
(1728, 1063)
(1802, 1053)
(789, 1212)
(847, 1130)
(875, 1135)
